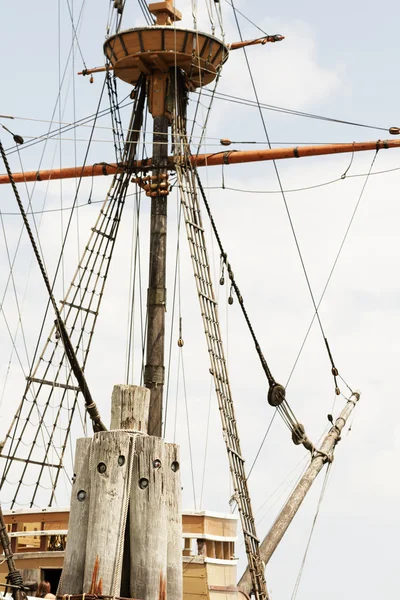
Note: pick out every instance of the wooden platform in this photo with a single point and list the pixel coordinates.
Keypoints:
(156, 49)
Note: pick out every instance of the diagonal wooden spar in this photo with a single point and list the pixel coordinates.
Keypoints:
(228, 157)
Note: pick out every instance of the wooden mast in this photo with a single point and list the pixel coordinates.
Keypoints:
(156, 293)
(225, 157)
(154, 370)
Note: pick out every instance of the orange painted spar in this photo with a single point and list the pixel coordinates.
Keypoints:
(226, 157)
(231, 157)
(66, 173)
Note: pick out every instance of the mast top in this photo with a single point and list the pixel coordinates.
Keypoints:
(165, 12)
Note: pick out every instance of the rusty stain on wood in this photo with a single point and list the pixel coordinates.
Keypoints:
(163, 588)
(96, 587)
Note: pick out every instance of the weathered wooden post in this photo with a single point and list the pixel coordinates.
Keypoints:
(125, 529)
(110, 462)
(148, 520)
(174, 523)
(155, 521)
(74, 562)
(130, 408)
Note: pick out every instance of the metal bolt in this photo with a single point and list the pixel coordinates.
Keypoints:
(143, 483)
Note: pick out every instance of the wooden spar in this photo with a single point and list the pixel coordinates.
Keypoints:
(231, 157)
(228, 157)
(324, 454)
(66, 173)
(96, 70)
(264, 40)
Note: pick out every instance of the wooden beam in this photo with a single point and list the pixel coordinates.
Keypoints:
(228, 157)
(320, 457)
(174, 522)
(130, 408)
(110, 459)
(148, 520)
(262, 41)
(74, 562)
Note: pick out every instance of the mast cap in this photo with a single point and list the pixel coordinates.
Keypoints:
(165, 12)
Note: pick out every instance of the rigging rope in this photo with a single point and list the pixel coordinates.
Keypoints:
(99, 250)
(298, 434)
(289, 111)
(321, 497)
(195, 233)
(94, 414)
(276, 393)
(331, 273)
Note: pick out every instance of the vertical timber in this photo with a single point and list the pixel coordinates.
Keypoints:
(148, 521)
(109, 496)
(174, 522)
(74, 562)
(156, 294)
(130, 408)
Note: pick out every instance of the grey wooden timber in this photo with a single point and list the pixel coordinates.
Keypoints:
(74, 561)
(110, 463)
(130, 407)
(174, 522)
(148, 522)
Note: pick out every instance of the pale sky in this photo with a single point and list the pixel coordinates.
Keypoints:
(339, 60)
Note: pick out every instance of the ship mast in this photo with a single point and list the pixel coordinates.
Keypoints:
(166, 62)
(156, 293)
(174, 61)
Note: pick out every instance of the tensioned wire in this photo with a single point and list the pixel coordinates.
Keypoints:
(287, 210)
(74, 203)
(215, 95)
(176, 274)
(283, 193)
(11, 270)
(57, 269)
(321, 497)
(30, 195)
(333, 268)
(227, 188)
(289, 111)
(137, 275)
(219, 96)
(146, 13)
